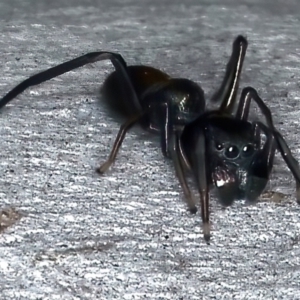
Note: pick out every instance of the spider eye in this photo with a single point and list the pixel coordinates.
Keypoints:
(248, 150)
(232, 152)
(219, 146)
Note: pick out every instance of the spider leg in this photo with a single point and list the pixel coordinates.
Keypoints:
(171, 148)
(226, 94)
(116, 59)
(179, 168)
(249, 94)
(120, 66)
(200, 170)
(192, 142)
(262, 163)
(194, 151)
(289, 159)
(118, 142)
(167, 132)
(261, 166)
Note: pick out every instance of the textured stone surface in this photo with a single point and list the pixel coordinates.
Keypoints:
(127, 235)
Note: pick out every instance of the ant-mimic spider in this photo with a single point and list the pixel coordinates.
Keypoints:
(221, 148)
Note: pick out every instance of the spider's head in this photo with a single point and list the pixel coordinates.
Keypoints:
(236, 163)
(231, 141)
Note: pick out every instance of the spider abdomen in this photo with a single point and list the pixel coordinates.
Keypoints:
(115, 90)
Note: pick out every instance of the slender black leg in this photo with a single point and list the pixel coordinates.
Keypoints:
(226, 94)
(244, 104)
(167, 130)
(170, 148)
(116, 59)
(203, 186)
(175, 155)
(199, 168)
(249, 94)
(288, 157)
(117, 144)
(291, 162)
(193, 146)
(261, 166)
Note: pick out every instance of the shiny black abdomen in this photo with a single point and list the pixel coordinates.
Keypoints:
(118, 97)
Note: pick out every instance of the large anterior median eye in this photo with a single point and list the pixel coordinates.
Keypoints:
(232, 152)
(248, 150)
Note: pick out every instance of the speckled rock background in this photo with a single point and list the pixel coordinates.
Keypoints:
(127, 235)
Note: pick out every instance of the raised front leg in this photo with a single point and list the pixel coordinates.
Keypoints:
(226, 95)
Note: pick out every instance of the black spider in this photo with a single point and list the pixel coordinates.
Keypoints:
(220, 148)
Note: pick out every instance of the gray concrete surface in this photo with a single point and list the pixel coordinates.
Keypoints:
(127, 235)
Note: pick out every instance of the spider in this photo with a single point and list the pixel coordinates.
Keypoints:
(220, 148)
